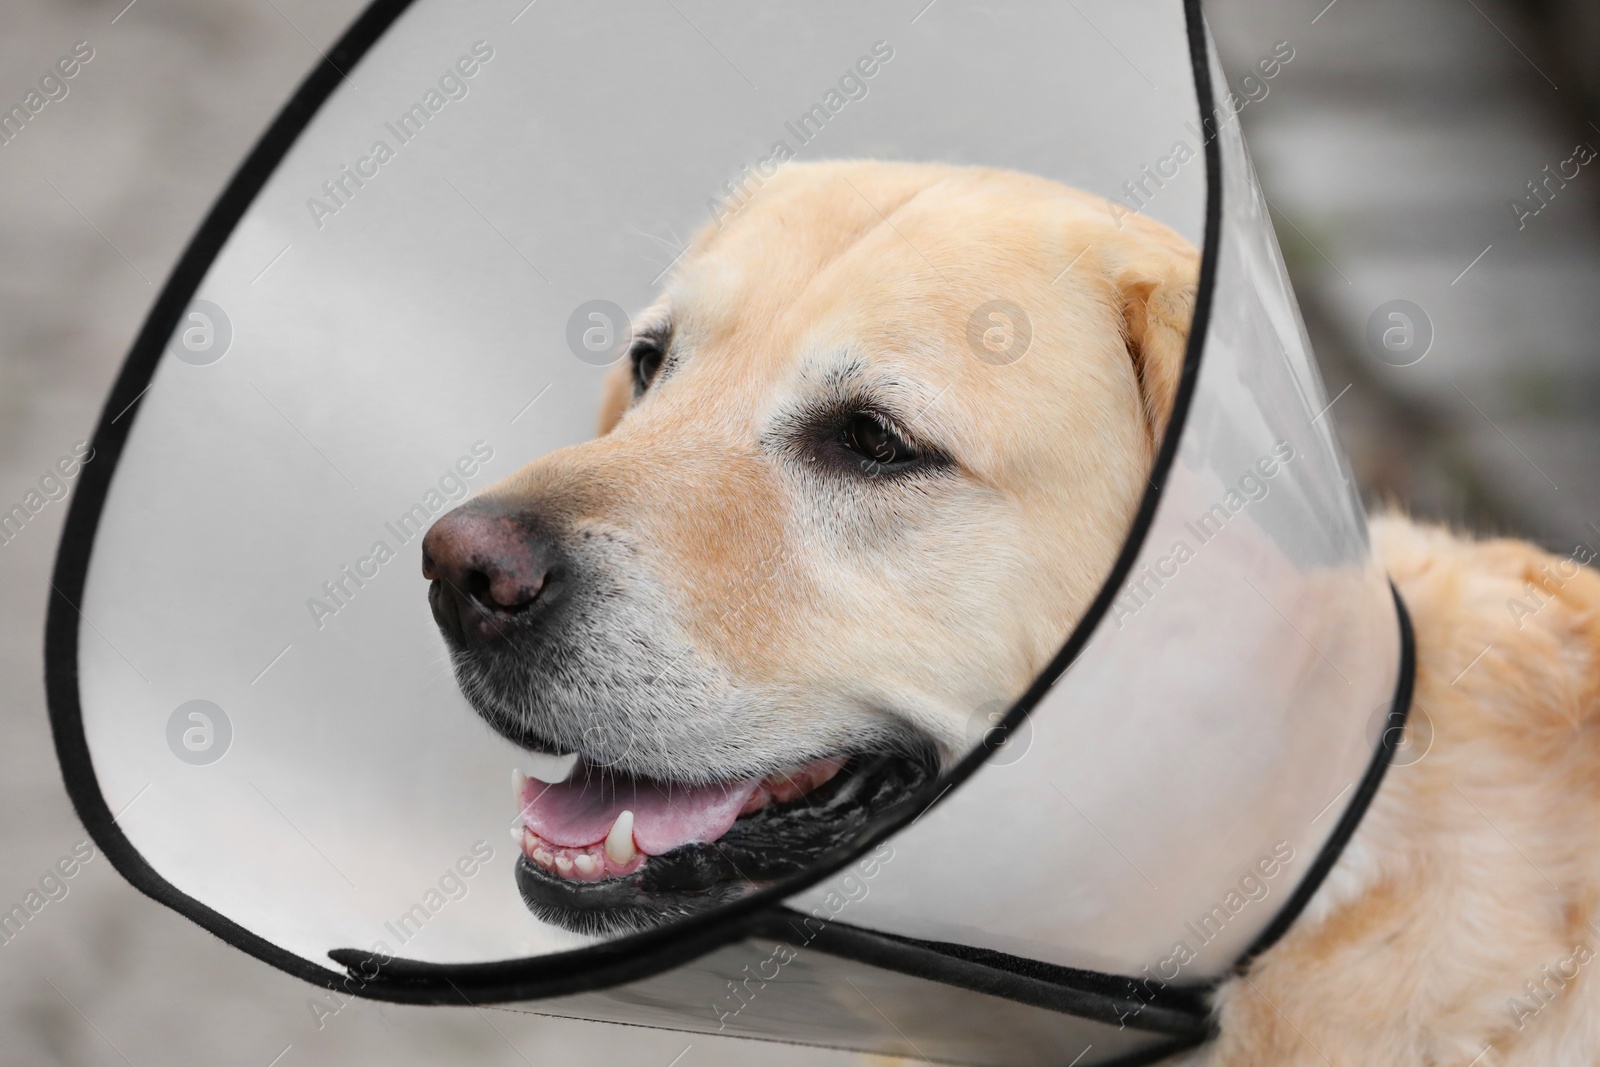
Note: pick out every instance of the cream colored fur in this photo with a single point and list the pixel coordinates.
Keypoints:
(1459, 926)
(796, 611)
(813, 609)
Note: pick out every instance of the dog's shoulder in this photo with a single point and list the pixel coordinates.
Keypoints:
(1471, 890)
(1516, 628)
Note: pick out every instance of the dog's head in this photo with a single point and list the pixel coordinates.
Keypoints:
(872, 453)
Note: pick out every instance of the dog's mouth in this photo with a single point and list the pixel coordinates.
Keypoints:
(606, 852)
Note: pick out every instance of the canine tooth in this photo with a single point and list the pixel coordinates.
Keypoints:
(586, 864)
(518, 780)
(619, 842)
(516, 834)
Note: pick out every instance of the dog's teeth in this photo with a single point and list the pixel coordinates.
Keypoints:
(619, 842)
(563, 864)
(586, 864)
(516, 834)
(518, 780)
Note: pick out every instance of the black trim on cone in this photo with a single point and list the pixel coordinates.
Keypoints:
(1182, 1010)
(62, 619)
(1388, 740)
(1178, 1011)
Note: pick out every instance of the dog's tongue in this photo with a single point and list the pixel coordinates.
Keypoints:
(582, 810)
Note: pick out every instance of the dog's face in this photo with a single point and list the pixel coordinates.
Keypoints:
(831, 520)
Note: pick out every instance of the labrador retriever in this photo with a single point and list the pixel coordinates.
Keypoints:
(869, 458)
(822, 524)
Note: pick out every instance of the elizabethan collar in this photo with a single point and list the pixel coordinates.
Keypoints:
(252, 705)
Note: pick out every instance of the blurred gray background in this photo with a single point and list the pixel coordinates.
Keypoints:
(1393, 146)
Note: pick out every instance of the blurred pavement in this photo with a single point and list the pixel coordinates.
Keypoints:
(1392, 148)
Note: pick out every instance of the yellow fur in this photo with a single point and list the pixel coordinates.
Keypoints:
(1476, 867)
(1476, 870)
(795, 591)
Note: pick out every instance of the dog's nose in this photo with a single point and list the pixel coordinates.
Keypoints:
(488, 570)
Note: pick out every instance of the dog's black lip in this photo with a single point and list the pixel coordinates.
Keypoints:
(760, 849)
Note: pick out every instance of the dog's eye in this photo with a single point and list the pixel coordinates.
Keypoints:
(647, 359)
(875, 442)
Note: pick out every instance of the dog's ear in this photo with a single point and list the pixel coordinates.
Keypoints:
(1155, 276)
(616, 393)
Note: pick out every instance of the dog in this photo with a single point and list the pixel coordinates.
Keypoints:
(823, 523)
(712, 601)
